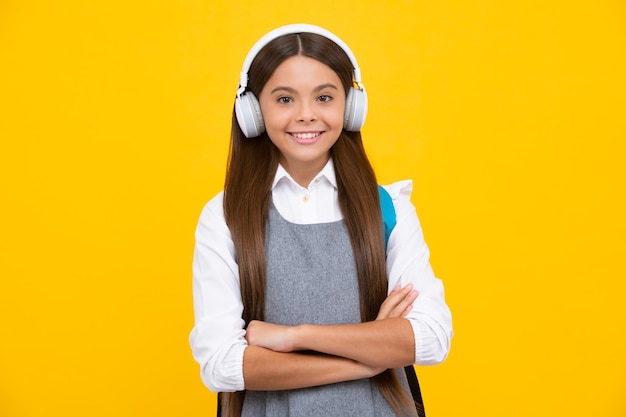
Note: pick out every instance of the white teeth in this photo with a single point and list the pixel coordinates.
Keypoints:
(305, 135)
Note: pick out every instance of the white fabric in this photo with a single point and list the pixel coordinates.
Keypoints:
(218, 338)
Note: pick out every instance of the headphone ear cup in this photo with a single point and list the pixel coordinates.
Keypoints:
(249, 117)
(356, 110)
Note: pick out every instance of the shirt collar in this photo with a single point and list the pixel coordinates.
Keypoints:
(328, 173)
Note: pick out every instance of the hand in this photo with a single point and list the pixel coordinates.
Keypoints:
(399, 303)
(270, 336)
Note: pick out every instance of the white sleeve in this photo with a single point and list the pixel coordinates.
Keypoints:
(218, 337)
(408, 262)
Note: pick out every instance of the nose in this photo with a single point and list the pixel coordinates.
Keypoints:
(306, 112)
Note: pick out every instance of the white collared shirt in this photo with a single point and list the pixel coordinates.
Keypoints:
(218, 337)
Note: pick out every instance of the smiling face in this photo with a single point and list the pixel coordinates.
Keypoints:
(303, 103)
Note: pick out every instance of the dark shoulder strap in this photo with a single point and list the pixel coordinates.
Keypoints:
(414, 384)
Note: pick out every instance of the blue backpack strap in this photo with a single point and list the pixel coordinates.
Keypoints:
(388, 211)
(389, 221)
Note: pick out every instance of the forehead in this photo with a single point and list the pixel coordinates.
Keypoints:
(303, 71)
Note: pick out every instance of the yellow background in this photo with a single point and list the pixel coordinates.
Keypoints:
(509, 117)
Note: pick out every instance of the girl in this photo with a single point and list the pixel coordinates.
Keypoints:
(301, 306)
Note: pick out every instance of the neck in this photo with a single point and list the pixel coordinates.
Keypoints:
(303, 174)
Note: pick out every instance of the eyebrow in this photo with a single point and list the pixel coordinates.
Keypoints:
(292, 90)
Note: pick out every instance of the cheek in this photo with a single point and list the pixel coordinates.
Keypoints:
(273, 118)
(337, 115)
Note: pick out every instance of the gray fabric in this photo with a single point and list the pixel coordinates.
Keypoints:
(312, 279)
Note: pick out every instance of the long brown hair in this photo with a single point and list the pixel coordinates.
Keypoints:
(251, 168)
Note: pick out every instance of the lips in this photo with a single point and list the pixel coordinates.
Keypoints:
(306, 137)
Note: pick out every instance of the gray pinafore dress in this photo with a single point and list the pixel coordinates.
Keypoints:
(311, 278)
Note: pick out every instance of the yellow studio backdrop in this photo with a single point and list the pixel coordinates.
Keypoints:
(508, 116)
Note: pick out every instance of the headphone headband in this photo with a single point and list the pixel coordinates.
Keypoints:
(287, 30)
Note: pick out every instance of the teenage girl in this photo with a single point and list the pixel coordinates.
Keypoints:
(302, 306)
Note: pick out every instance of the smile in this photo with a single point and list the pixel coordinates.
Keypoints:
(307, 135)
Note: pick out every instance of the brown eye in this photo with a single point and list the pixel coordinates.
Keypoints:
(324, 98)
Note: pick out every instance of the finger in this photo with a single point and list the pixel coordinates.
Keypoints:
(403, 307)
(399, 293)
(396, 297)
(408, 309)
(391, 302)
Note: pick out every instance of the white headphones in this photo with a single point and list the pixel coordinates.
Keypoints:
(248, 110)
